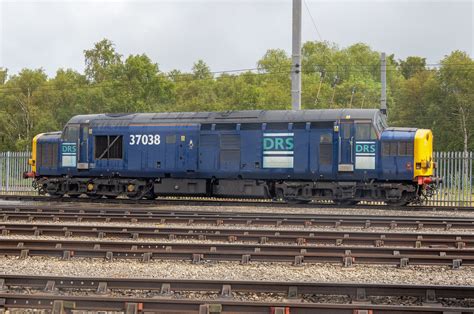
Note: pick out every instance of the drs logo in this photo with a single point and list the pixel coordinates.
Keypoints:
(69, 148)
(365, 147)
(278, 150)
(68, 152)
(278, 143)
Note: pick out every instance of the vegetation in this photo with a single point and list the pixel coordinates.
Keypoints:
(440, 97)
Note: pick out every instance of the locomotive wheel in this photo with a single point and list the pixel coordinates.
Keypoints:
(135, 196)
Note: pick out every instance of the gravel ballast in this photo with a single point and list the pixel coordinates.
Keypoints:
(79, 267)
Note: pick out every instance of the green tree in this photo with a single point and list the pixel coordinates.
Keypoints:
(411, 66)
(456, 81)
(333, 77)
(415, 100)
(201, 71)
(100, 59)
(21, 106)
(3, 75)
(275, 61)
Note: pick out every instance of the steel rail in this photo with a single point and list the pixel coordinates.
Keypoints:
(136, 215)
(129, 305)
(244, 235)
(198, 252)
(293, 295)
(223, 202)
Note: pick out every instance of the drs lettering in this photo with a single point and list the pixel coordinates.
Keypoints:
(278, 143)
(365, 148)
(145, 139)
(68, 148)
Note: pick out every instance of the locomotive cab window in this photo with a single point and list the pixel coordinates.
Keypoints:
(393, 148)
(71, 133)
(365, 131)
(397, 148)
(108, 147)
(385, 148)
(405, 148)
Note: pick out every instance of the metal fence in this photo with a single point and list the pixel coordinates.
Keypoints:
(454, 168)
(12, 166)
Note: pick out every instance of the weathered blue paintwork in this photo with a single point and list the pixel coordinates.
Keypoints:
(198, 153)
(397, 167)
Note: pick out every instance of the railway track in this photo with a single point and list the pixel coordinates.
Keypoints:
(245, 245)
(224, 202)
(261, 236)
(207, 236)
(244, 253)
(132, 296)
(39, 213)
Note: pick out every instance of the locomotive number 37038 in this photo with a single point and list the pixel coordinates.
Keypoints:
(145, 139)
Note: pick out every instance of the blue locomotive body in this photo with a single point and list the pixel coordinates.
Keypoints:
(345, 155)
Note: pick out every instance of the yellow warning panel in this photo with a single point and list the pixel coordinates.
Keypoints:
(32, 161)
(423, 153)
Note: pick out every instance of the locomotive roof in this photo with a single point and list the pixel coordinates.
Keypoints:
(245, 116)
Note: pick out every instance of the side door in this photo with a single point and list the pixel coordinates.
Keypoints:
(69, 147)
(191, 152)
(187, 158)
(346, 146)
(365, 145)
(83, 145)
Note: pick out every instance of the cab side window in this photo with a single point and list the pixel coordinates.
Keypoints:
(397, 148)
(71, 133)
(393, 148)
(385, 148)
(365, 131)
(405, 148)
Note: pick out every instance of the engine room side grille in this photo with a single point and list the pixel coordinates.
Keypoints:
(47, 155)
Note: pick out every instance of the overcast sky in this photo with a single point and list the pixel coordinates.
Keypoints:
(225, 34)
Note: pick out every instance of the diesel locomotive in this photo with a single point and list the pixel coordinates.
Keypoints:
(343, 155)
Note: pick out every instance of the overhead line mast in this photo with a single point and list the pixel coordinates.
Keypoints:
(383, 80)
(296, 57)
